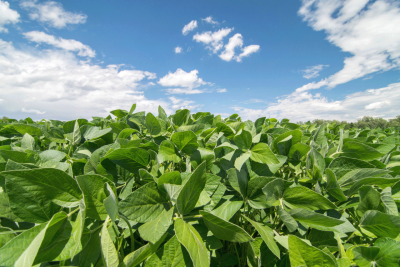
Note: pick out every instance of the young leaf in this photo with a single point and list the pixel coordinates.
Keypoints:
(302, 197)
(152, 231)
(381, 224)
(108, 249)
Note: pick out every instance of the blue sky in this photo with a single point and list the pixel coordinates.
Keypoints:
(302, 60)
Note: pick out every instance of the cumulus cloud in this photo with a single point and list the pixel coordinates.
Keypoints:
(303, 106)
(189, 27)
(222, 90)
(69, 45)
(65, 87)
(210, 20)
(213, 40)
(237, 41)
(178, 103)
(367, 30)
(186, 80)
(52, 13)
(7, 15)
(178, 50)
(313, 72)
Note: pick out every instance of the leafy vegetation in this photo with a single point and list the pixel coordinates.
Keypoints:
(364, 123)
(197, 190)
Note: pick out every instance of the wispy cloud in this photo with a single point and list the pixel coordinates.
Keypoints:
(210, 20)
(213, 40)
(7, 15)
(178, 103)
(222, 90)
(189, 27)
(69, 45)
(237, 41)
(313, 72)
(35, 111)
(52, 13)
(178, 50)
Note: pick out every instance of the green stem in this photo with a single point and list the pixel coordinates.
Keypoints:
(72, 212)
(130, 232)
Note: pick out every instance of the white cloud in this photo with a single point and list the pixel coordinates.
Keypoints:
(178, 103)
(58, 83)
(313, 72)
(69, 45)
(35, 111)
(229, 52)
(189, 27)
(213, 40)
(367, 30)
(304, 106)
(210, 20)
(186, 80)
(237, 41)
(186, 91)
(247, 51)
(178, 50)
(222, 90)
(7, 15)
(52, 13)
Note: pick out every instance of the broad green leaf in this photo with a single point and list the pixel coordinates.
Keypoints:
(365, 256)
(119, 113)
(381, 224)
(261, 153)
(191, 191)
(302, 197)
(51, 155)
(144, 205)
(111, 203)
(167, 152)
(40, 188)
(243, 140)
(185, 141)
(22, 250)
(238, 180)
(181, 117)
(255, 194)
(200, 155)
(191, 240)
(227, 209)
(28, 142)
(315, 220)
(369, 200)
(388, 202)
(381, 182)
(342, 165)
(301, 254)
(389, 253)
(108, 249)
(171, 254)
(287, 219)
(225, 230)
(152, 231)
(131, 159)
(20, 157)
(267, 235)
(152, 125)
(274, 191)
(162, 114)
(169, 178)
(76, 135)
(360, 151)
(333, 187)
(92, 186)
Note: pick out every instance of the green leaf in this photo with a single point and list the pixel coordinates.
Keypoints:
(19, 157)
(227, 209)
(261, 153)
(51, 155)
(200, 155)
(40, 188)
(302, 197)
(191, 240)
(301, 254)
(143, 205)
(287, 219)
(108, 249)
(267, 235)
(360, 151)
(389, 253)
(171, 254)
(162, 114)
(333, 187)
(76, 135)
(169, 178)
(22, 250)
(381, 224)
(255, 194)
(369, 200)
(388, 202)
(92, 186)
(152, 231)
(315, 220)
(167, 152)
(185, 141)
(243, 140)
(225, 230)
(133, 107)
(274, 191)
(111, 203)
(28, 142)
(152, 125)
(238, 180)
(119, 113)
(381, 182)
(191, 191)
(131, 159)
(365, 256)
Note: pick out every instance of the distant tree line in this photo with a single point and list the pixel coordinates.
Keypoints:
(365, 122)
